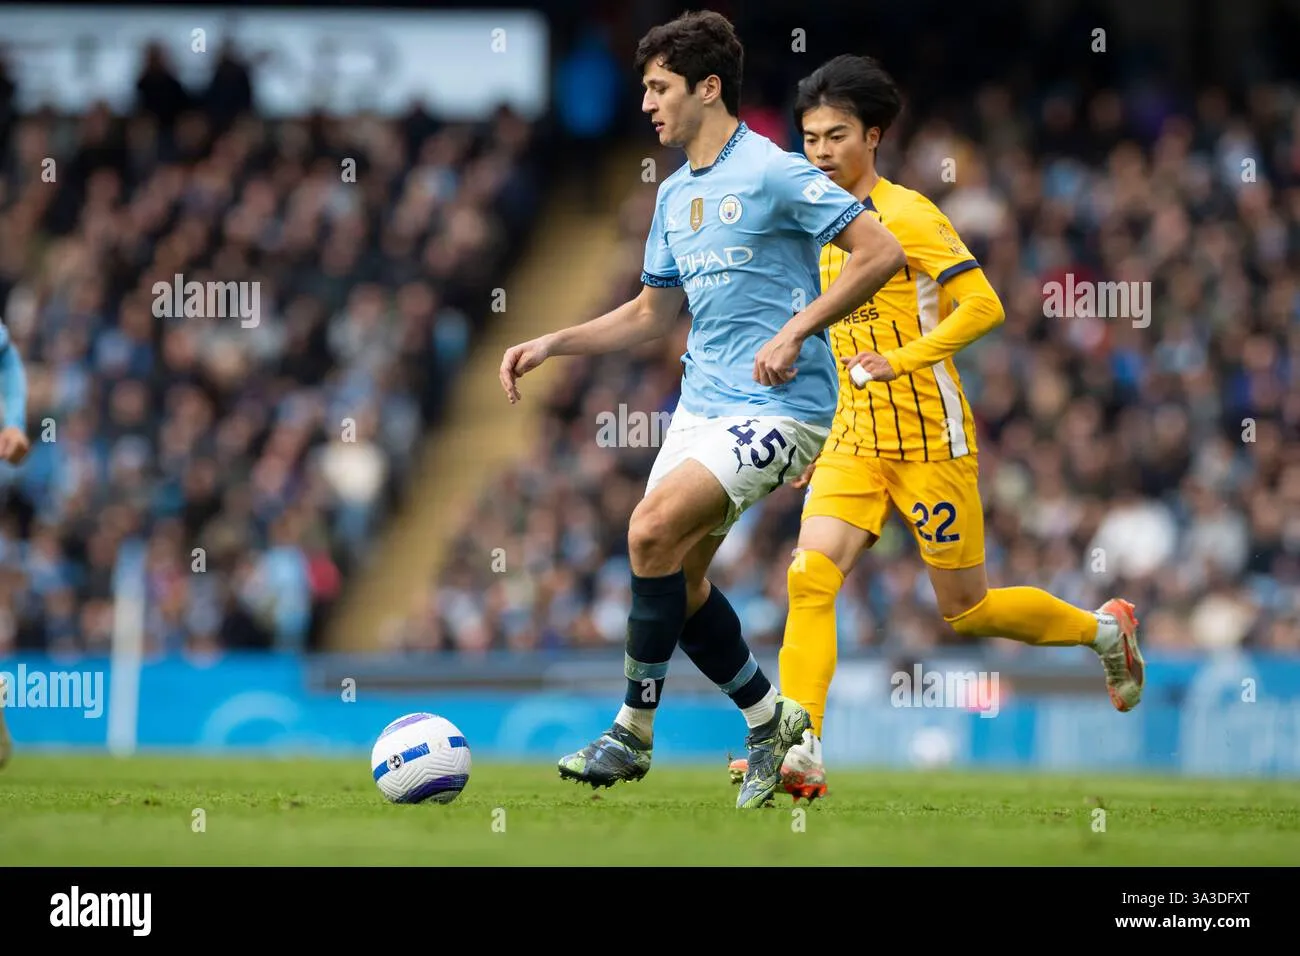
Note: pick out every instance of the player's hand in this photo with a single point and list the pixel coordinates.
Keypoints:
(518, 361)
(774, 364)
(14, 445)
(876, 365)
(802, 480)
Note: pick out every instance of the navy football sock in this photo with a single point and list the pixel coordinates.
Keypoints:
(712, 639)
(654, 627)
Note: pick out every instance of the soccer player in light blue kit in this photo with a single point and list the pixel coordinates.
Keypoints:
(738, 232)
(14, 445)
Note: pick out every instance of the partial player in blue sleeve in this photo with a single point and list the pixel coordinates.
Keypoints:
(14, 446)
(736, 236)
(14, 443)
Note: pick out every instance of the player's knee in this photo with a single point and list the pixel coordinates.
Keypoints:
(959, 593)
(812, 578)
(649, 535)
(964, 613)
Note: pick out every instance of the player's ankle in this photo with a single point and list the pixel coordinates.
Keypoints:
(640, 722)
(758, 714)
(1108, 636)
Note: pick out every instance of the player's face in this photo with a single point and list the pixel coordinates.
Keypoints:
(675, 113)
(835, 142)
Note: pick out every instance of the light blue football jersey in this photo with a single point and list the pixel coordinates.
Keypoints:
(744, 237)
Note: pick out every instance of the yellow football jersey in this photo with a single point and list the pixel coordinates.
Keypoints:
(923, 416)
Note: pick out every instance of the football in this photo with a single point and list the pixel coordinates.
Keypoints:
(421, 758)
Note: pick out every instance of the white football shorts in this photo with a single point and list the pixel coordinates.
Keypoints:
(750, 456)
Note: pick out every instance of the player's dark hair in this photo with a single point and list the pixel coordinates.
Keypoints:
(697, 45)
(855, 84)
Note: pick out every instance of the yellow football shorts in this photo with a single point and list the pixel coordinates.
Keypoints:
(939, 499)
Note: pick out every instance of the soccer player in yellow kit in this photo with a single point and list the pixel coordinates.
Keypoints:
(907, 437)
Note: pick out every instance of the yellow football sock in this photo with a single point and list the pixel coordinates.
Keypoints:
(808, 653)
(1029, 615)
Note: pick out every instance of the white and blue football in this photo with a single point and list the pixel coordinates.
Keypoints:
(421, 758)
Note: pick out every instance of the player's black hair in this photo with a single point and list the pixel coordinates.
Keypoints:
(697, 45)
(854, 84)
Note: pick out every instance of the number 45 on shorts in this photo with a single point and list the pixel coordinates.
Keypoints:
(745, 441)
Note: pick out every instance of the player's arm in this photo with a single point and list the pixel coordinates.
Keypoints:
(978, 312)
(934, 248)
(649, 316)
(937, 251)
(874, 256)
(827, 213)
(14, 443)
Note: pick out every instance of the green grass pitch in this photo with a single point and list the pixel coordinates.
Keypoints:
(96, 811)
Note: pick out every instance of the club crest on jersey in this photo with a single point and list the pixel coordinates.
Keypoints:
(697, 213)
(729, 209)
(949, 237)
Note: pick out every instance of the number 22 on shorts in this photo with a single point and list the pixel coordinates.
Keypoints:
(943, 513)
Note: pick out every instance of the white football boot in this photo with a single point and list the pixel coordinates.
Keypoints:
(803, 773)
(1117, 646)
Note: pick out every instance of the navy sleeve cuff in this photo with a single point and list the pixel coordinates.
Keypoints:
(660, 282)
(844, 218)
(956, 270)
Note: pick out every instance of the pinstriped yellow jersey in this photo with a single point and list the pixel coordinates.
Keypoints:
(923, 416)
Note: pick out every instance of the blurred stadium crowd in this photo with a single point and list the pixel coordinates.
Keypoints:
(1161, 463)
(274, 447)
